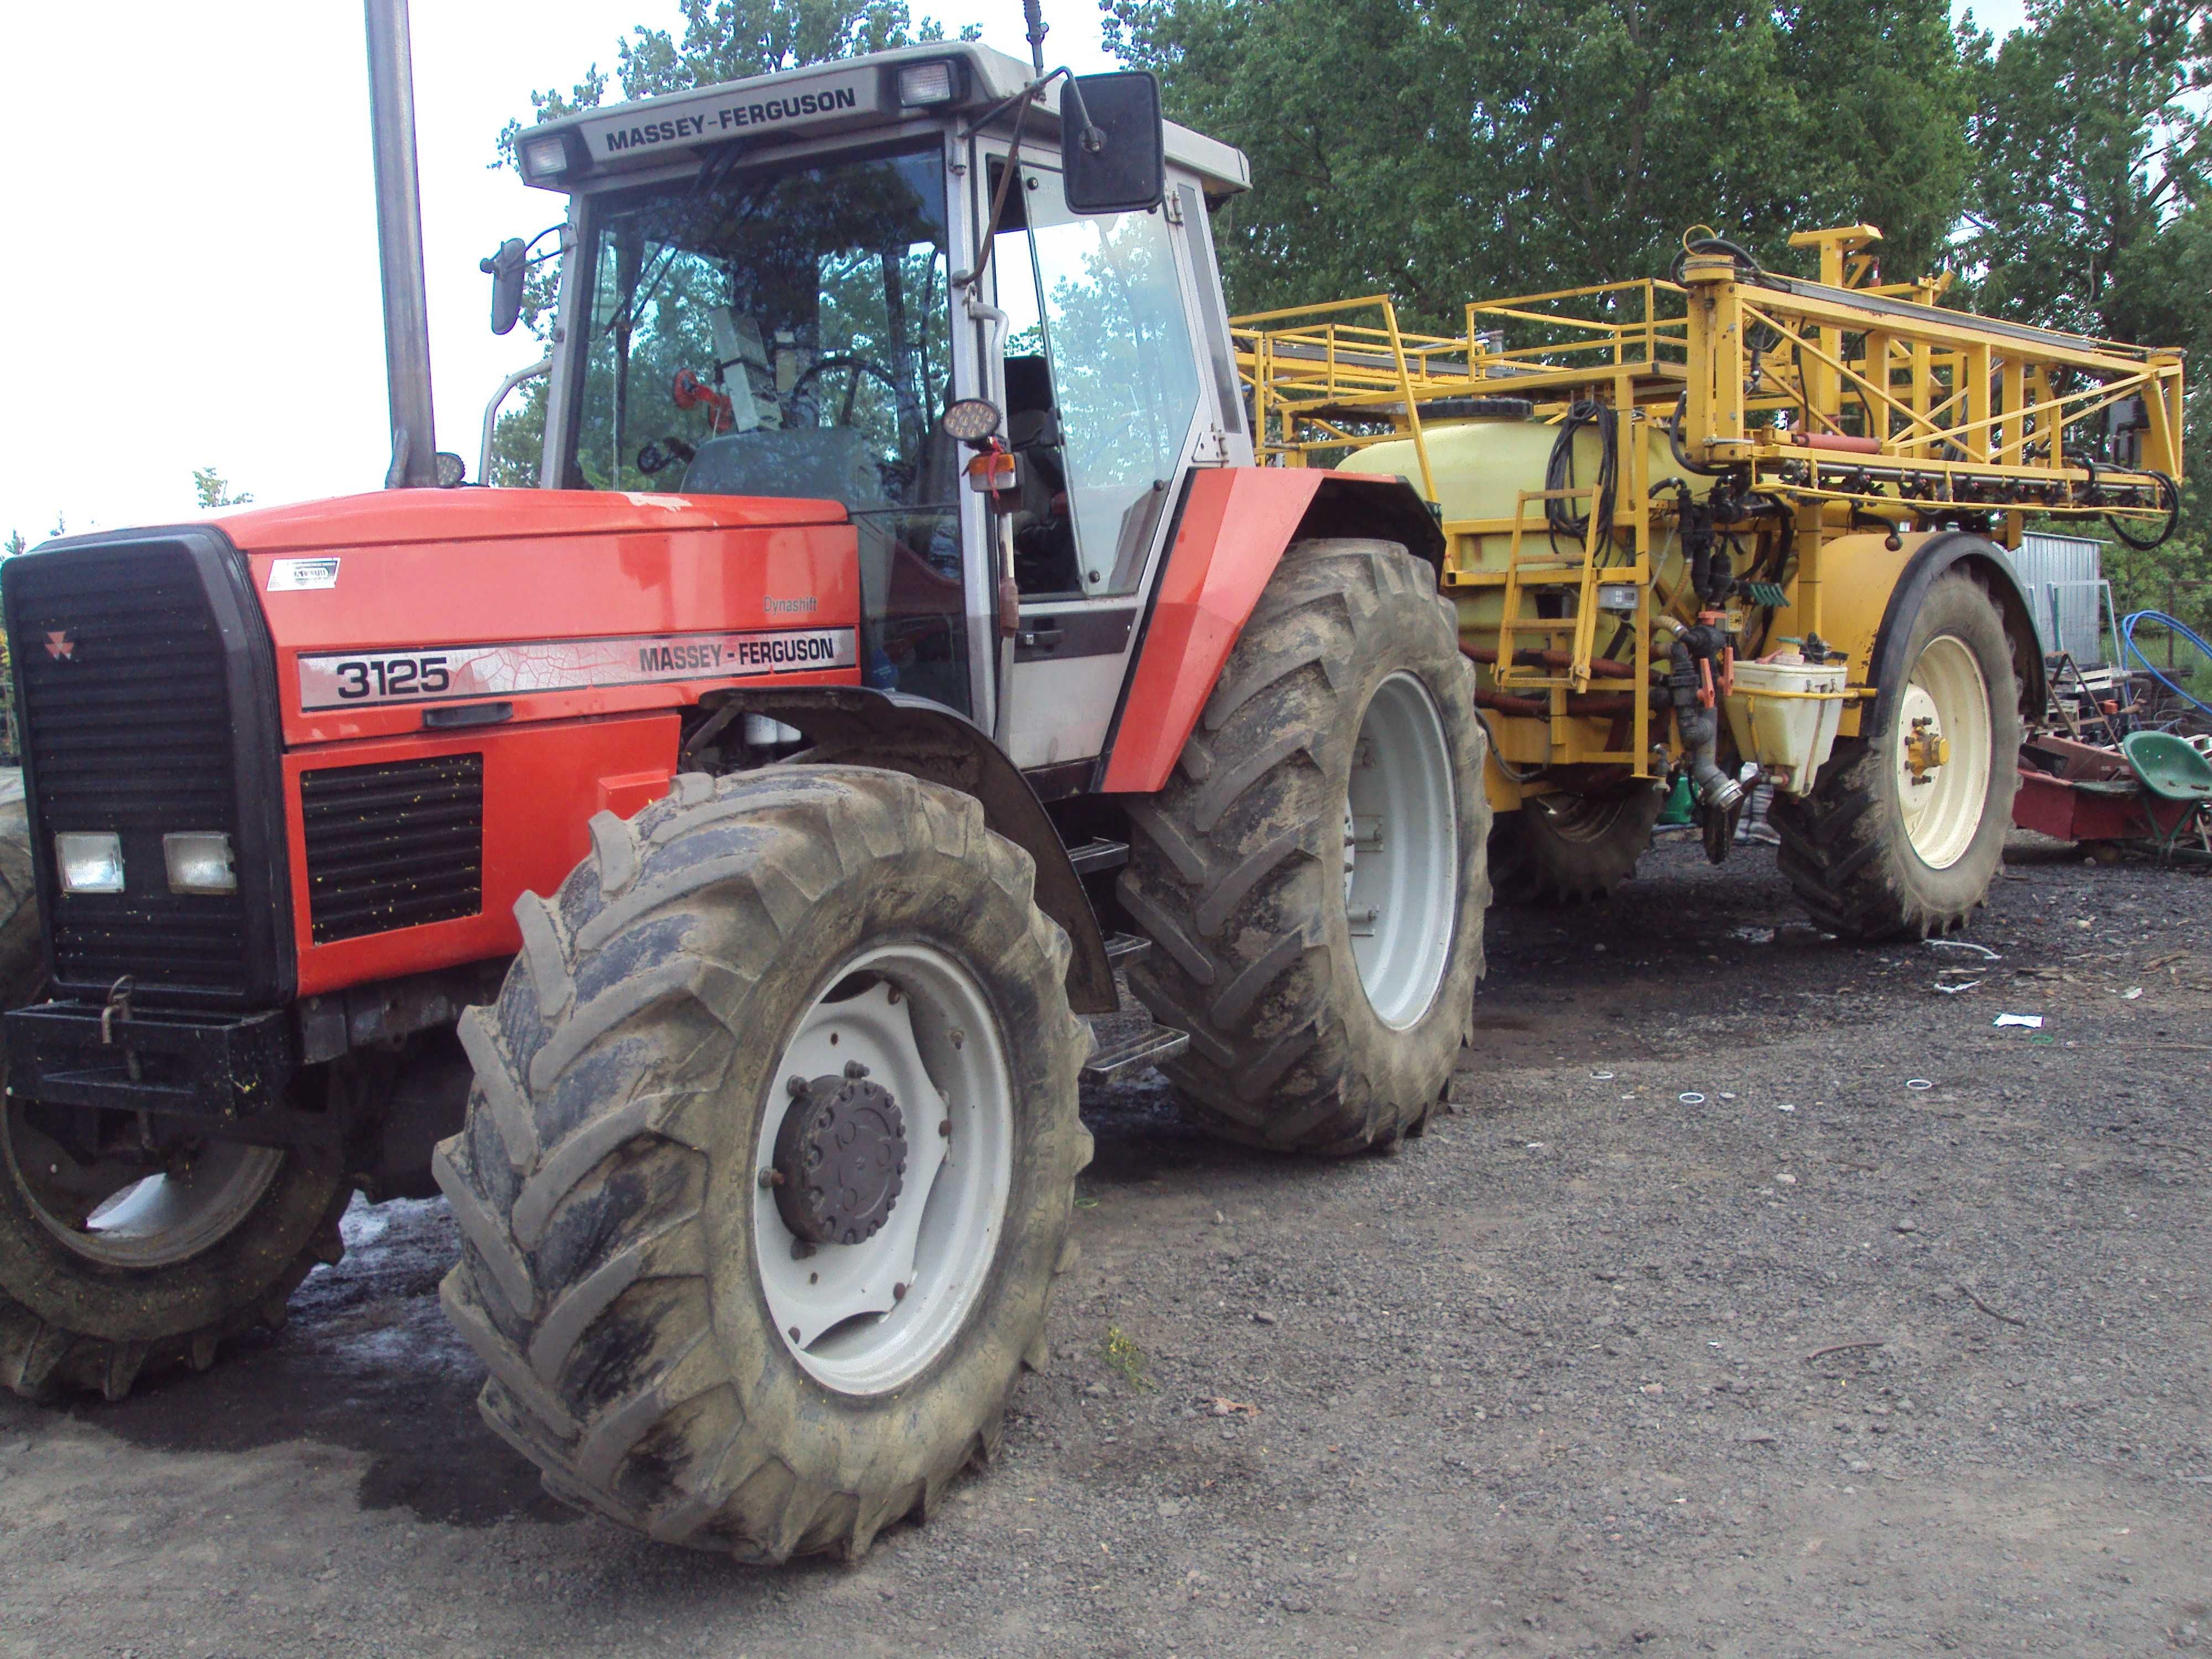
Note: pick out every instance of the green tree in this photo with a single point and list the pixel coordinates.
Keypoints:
(1442, 150)
(211, 490)
(2092, 210)
(717, 40)
(16, 543)
(2088, 150)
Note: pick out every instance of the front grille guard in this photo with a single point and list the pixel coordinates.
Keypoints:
(261, 971)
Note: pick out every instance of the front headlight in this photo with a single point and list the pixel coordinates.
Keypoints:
(89, 863)
(545, 158)
(199, 862)
(927, 83)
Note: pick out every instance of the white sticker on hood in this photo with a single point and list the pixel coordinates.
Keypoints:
(297, 576)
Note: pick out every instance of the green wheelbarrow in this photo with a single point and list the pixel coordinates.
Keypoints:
(2174, 775)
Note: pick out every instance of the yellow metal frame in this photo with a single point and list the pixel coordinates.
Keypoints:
(1847, 400)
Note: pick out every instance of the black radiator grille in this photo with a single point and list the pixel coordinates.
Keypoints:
(393, 846)
(128, 727)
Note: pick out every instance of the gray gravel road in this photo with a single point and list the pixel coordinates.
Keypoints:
(1551, 1379)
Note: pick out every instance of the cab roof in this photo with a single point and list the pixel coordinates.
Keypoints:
(844, 95)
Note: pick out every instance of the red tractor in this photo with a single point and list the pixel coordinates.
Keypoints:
(703, 866)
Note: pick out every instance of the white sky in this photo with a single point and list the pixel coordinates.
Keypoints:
(189, 278)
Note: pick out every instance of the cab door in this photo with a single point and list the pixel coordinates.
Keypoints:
(1108, 404)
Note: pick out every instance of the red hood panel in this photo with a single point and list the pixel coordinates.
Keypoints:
(391, 518)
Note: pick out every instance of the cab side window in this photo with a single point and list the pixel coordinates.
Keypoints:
(1101, 386)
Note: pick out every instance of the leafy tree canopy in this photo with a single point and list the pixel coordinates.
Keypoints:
(210, 488)
(1442, 149)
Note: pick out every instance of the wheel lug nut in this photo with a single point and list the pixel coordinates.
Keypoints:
(771, 1177)
(800, 1250)
(794, 1333)
(854, 1070)
(796, 1087)
(944, 1129)
(898, 1292)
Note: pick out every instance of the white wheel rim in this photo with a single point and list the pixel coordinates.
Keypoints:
(159, 1221)
(1401, 852)
(869, 1316)
(1941, 751)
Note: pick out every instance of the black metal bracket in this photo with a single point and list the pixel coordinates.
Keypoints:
(223, 1069)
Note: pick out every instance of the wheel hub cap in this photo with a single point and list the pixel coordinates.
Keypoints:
(1926, 749)
(840, 1158)
(905, 1125)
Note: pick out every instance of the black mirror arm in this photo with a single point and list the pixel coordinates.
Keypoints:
(1094, 140)
(972, 280)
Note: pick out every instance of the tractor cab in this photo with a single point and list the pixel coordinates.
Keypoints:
(776, 286)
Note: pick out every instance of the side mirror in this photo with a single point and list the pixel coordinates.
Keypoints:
(506, 269)
(1112, 144)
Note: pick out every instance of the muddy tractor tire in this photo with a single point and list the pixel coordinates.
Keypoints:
(1312, 876)
(769, 1165)
(120, 1264)
(1905, 826)
(1572, 849)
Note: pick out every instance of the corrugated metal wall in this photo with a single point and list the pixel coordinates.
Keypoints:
(2064, 576)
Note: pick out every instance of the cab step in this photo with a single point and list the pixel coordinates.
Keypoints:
(1135, 1053)
(1123, 949)
(1094, 856)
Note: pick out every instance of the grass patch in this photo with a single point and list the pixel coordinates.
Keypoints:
(1124, 1358)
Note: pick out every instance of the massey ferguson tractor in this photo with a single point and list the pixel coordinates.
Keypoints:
(703, 866)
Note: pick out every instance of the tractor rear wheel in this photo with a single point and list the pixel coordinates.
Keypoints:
(130, 1259)
(1905, 826)
(1570, 849)
(769, 1162)
(1313, 875)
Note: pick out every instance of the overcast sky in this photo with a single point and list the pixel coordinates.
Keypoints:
(190, 269)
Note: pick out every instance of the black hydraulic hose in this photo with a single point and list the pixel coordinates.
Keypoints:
(1745, 263)
(2170, 492)
(1559, 515)
(1674, 442)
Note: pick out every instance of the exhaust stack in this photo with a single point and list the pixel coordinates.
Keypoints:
(399, 243)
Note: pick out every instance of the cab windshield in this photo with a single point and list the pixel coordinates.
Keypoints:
(788, 334)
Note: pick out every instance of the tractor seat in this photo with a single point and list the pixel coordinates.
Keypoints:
(2170, 768)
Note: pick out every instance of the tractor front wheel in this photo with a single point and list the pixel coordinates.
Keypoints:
(128, 1253)
(769, 1162)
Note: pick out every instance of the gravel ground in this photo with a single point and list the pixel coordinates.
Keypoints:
(1756, 1298)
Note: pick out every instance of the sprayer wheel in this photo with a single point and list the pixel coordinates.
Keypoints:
(1571, 849)
(1905, 829)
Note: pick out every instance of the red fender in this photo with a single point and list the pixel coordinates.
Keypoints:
(1237, 523)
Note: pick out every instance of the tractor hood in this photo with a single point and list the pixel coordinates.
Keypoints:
(391, 518)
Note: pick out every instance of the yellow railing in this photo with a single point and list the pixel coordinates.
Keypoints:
(1821, 392)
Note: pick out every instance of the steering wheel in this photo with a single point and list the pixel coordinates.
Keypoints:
(856, 367)
(660, 456)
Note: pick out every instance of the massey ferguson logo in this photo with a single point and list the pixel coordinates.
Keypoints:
(60, 646)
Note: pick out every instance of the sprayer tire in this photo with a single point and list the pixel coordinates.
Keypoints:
(1848, 849)
(72, 1323)
(1572, 849)
(611, 1182)
(1235, 869)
